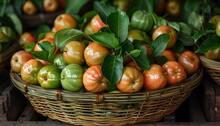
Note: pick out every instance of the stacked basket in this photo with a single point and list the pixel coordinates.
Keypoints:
(107, 108)
(212, 67)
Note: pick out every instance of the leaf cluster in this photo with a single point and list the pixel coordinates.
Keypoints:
(114, 37)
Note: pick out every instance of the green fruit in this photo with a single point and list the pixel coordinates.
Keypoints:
(72, 77)
(3, 37)
(142, 20)
(217, 29)
(59, 61)
(7, 31)
(49, 77)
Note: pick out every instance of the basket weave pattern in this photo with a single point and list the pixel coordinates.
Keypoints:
(82, 108)
(212, 67)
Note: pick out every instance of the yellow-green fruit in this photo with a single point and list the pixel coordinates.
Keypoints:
(213, 54)
(215, 19)
(217, 29)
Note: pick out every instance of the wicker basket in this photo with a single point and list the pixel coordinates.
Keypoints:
(6, 56)
(212, 67)
(82, 108)
(31, 21)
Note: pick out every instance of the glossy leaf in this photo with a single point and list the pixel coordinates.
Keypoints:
(199, 34)
(41, 36)
(17, 23)
(106, 39)
(159, 45)
(118, 23)
(211, 43)
(135, 53)
(112, 68)
(142, 59)
(174, 25)
(47, 52)
(43, 55)
(3, 5)
(103, 10)
(126, 47)
(195, 20)
(74, 6)
(29, 47)
(62, 37)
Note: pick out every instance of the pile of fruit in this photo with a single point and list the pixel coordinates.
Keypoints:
(111, 52)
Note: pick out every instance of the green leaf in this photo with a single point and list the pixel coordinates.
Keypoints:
(29, 47)
(185, 28)
(199, 34)
(142, 59)
(178, 47)
(135, 53)
(17, 4)
(43, 29)
(47, 52)
(161, 21)
(118, 23)
(112, 68)
(41, 36)
(3, 4)
(159, 44)
(103, 10)
(62, 37)
(6, 21)
(207, 9)
(192, 5)
(43, 55)
(106, 39)
(161, 60)
(17, 22)
(74, 6)
(47, 46)
(126, 47)
(174, 25)
(211, 43)
(195, 20)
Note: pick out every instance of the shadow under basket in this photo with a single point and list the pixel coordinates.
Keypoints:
(212, 67)
(80, 108)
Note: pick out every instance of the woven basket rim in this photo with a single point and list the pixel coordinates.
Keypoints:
(41, 16)
(212, 64)
(62, 95)
(9, 52)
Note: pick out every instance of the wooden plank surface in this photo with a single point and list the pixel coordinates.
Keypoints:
(14, 102)
(195, 109)
(208, 99)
